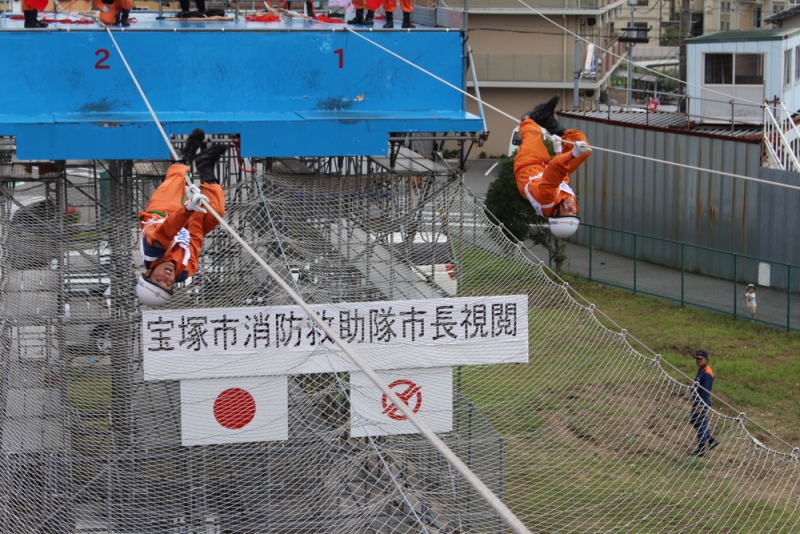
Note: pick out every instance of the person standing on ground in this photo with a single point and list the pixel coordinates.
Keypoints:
(175, 222)
(701, 402)
(750, 297)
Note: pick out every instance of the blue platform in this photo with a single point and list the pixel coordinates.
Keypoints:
(280, 85)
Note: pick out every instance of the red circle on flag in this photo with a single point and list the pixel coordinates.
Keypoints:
(406, 390)
(234, 408)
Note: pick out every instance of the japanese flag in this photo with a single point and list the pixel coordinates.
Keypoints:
(428, 392)
(234, 410)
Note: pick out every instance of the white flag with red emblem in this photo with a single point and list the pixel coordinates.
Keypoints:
(234, 410)
(428, 392)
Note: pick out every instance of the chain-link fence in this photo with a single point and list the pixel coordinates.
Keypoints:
(687, 274)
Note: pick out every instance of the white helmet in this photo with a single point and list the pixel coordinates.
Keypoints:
(150, 294)
(563, 226)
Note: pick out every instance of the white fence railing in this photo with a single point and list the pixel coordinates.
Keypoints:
(781, 137)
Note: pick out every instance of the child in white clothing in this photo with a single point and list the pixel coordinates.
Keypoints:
(750, 297)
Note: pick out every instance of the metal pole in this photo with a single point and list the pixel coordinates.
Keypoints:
(634, 263)
(683, 272)
(732, 117)
(576, 89)
(591, 246)
(788, 297)
(630, 60)
(735, 289)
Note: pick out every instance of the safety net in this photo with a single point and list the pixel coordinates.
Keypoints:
(228, 411)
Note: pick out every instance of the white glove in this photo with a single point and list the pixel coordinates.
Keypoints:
(193, 199)
(580, 147)
(557, 146)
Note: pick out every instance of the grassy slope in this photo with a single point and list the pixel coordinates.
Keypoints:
(757, 368)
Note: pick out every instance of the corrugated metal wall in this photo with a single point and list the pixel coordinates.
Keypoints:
(779, 223)
(656, 199)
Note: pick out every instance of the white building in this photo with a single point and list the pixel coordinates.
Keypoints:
(730, 73)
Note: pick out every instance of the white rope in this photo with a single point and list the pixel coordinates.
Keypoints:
(146, 102)
(477, 484)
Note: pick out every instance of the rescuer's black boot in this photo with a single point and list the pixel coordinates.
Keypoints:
(206, 163)
(32, 21)
(407, 20)
(389, 20)
(191, 146)
(369, 18)
(358, 19)
(544, 115)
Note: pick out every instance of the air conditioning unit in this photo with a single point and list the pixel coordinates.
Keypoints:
(587, 21)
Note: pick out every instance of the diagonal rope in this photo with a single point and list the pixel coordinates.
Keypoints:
(477, 484)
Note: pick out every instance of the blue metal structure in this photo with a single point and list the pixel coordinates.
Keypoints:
(293, 88)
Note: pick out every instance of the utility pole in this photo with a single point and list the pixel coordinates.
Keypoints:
(630, 62)
(686, 19)
(578, 69)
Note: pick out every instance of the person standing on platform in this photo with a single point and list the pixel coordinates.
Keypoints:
(186, 5)
(31, 13)
(360, 6)
(114, 12)
(173, 231)
(390, 6)
(701, 402)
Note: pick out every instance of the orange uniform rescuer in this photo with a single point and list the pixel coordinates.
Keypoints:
(544, 180)
(174, 223)
(114, 12)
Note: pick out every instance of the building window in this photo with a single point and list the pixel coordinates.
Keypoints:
(787, 68)
(756, 17)
(734, 69)
(749, 69)
(719, 69)
(797, 63)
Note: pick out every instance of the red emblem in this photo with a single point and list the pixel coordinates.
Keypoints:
(411, 391)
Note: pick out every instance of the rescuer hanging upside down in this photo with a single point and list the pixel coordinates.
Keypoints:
(543, 180)
(173, 231)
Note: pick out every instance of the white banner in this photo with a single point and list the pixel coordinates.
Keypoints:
(281, 340)
(428, 392)
(237, 410)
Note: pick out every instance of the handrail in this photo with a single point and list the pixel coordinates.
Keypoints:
(784, 154)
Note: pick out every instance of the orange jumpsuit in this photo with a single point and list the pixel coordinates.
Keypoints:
(540, 177)
(390, 6)
(360, 4)
(28, 7)
(166, 216)
(110, 17)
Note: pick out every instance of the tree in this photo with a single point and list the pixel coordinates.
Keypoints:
(505, 205)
